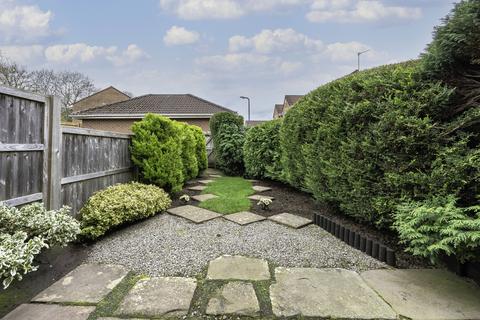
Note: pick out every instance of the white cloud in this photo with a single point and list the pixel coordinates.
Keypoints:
(349, 11)
(21, 22)
(221, 9)
(22, 54)
(180, 36)
(81, 52)
(268, 41)
(130, 55)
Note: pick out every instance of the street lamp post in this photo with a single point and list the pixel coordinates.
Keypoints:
(248, 99)
(358, 57)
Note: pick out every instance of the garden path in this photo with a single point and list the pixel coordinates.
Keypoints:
(234, 287)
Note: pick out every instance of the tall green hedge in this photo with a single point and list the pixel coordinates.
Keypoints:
(365, 141)
(166, 152)
(200, 148)
(262, 151)
(228, 135)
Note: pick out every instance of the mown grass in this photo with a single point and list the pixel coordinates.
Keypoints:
(232, 195)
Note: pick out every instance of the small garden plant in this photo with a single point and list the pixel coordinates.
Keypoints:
(120, 204)
(264, 203)
(26, 231)
(232, 195)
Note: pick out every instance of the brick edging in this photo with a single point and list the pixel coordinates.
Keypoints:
(357, 240)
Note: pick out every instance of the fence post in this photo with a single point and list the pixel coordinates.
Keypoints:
(53, 190)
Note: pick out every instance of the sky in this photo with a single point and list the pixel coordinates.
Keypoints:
(216, 49)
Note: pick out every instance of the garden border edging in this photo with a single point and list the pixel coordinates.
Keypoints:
(356, 240)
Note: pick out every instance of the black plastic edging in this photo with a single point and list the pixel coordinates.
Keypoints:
(356, 240)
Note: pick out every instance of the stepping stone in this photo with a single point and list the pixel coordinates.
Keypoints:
(156, 297)
(244, 217)
(192, 213)
(325, 293)
(257, 197)
(215, 175)
(205, 181)
(204, 197)
(238, 268)
(261, 188)
(290, 220)
(88, 283)
(236, 298)
(253, 180)
(426, 293)
(197, 188)
(38, 311)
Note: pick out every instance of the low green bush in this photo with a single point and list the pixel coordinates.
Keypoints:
(438, 227)
(229, 149)
(121, 204)
(200, 148)
(26, 231)
(262, 151)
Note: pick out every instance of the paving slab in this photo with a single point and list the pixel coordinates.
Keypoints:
(258, 197)
(193, 213)
(244, 217)
(215, 175)
(290, 220)
(156, 297)
(426, 293)
(38, 311)
(235, 298)
(325, 293)
(204, 197)
(261, 188)
(238, 268)
(205, 181)
(197, 188)
(253, 180)
(88, 283)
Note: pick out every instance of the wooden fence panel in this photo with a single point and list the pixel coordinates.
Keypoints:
(22, 146)
(92, 160)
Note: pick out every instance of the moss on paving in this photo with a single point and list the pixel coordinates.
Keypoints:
(232, 195)
(110, 303)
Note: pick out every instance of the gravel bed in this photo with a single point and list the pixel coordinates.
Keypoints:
(170, 246)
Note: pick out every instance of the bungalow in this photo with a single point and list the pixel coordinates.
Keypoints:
(288, 102)
(120, 116)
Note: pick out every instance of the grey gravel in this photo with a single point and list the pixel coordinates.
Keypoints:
(166, 245)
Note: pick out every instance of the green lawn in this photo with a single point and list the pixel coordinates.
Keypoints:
(232, 195)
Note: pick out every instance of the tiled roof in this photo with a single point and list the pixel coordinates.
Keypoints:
(100, 91)
(291, 99)
(157, 103)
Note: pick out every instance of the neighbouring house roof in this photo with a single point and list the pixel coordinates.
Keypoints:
(278, 108)
(178, 105)
(291, 99)
(100, 91)
(253, 123)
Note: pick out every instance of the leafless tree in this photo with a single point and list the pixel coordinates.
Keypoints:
(69, 86)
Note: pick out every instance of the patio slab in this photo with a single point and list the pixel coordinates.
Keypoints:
(261, 188)
(204, 197)
(290, 220)
(244, 217)
(197, 188)
(325, 293)
(238, 268)
(193, 213)
(236, 298)
(426, 293)
(88, 283)
(257, 197)
(40, 311)
(205, 181)
(156, 297)
(215, 175)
